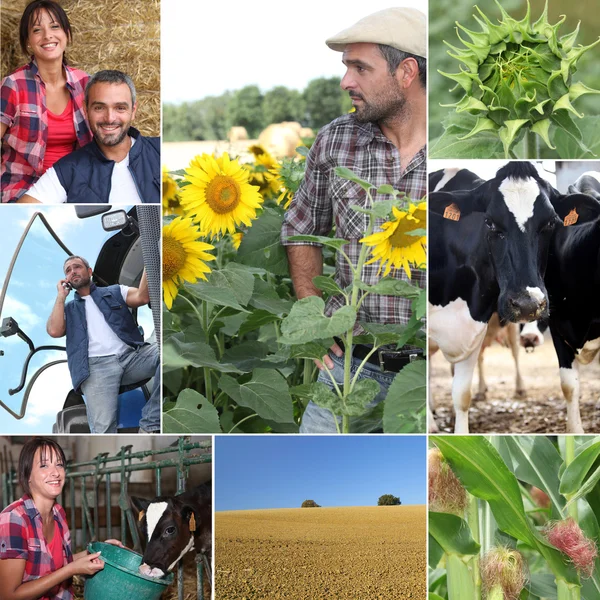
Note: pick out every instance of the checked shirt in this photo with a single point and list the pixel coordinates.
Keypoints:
(23, 111)
(22, 536)
(324, 200)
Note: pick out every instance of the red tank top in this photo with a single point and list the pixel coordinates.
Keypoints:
(61, 135)
(56, 548)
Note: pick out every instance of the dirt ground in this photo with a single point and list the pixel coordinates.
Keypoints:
(541, 410)
(357, 553)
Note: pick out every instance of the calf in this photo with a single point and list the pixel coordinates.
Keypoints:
(173, 525)
(573, 283)
(488, 253)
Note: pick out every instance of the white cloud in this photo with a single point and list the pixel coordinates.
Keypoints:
(23, 313)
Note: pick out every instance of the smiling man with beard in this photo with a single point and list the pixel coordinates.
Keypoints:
(383, 142)
(105, 349)
(120, 167)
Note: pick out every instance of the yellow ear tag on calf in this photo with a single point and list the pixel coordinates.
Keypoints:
(192, 523)
(571, 218)
(141, 515)
(452, 212)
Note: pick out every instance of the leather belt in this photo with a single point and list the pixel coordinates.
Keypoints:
(387, 360)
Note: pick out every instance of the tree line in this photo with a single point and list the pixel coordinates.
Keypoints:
(211, 118)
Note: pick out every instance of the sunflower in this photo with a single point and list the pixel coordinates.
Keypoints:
(219, 196)
(183, 256)
(236, 239)
(261, 171)
(394, 246)
(170, 194)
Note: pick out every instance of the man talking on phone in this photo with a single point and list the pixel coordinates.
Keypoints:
(105, 349)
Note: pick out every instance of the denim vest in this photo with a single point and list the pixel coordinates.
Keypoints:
(86, 173)
(112, 305)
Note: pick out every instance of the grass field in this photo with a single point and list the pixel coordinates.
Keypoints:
(354, 553)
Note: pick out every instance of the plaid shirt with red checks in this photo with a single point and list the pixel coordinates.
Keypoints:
(324, 200)
(22, 536)
(23, 111)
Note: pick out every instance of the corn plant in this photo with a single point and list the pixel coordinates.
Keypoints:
(527, 526)
(517, 79)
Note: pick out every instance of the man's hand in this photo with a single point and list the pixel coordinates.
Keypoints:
(64, 288)
(327, 359)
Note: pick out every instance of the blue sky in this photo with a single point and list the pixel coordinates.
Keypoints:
(253, 43)
(29, 299)
(253, 472)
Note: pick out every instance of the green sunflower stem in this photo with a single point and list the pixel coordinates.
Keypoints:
(350, 333)
(307, 373)
(207, 372)
(532, 147)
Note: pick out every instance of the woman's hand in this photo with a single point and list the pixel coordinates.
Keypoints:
(114, 543)
(87, 565)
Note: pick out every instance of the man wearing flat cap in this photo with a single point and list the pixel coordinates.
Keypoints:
(382, 141)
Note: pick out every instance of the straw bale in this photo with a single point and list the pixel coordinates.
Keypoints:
(107, 34)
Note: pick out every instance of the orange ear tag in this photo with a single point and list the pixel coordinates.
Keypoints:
(141, 515)
(571, 218)
(452, 212)
(192, 523)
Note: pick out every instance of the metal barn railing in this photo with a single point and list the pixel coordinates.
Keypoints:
(101, 470)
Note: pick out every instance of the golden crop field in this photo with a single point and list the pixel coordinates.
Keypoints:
(350, 553)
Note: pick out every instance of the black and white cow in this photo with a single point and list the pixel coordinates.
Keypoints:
(174, 525)
(489, 246)
(573, 283)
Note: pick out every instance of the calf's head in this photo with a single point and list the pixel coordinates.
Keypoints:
(170, 527)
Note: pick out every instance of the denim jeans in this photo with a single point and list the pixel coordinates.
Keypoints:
(108, 373)
(320, 420)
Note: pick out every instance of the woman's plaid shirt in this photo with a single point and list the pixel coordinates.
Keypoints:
(22, 536)
(23, 111)
(324, 200)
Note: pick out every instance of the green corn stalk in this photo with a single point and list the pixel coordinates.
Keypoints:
(517, 79)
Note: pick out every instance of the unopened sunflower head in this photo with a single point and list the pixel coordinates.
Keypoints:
(568, 537)
(503, 574)
(289, 174)
(517, 76)
(446, 492)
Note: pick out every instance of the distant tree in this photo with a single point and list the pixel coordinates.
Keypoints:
(325, 101)
(388, 500)
(282, 104)
(245, 110)
(310, 504)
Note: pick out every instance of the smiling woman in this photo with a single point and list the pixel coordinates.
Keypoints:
(35, 544)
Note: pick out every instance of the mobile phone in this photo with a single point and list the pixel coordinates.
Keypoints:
(67, 285)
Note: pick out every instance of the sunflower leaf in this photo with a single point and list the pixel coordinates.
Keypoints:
(178, 354)
(307, 322)
(405, 401)
(348, 174)
(327, 284)
(335, 243)
(192, 413)
(390, 286)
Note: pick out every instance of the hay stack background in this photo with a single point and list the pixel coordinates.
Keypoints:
(107, 34)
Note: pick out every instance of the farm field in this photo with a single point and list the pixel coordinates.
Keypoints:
(541, 410)
(358, 553)
(177, 155)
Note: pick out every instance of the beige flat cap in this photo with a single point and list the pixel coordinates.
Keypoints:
(401, 28)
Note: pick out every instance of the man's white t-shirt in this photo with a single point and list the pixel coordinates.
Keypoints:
(48, 190)
(102, 340)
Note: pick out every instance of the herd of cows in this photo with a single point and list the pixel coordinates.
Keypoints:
(513, 250)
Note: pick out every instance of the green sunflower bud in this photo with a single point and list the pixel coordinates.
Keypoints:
(517, 77)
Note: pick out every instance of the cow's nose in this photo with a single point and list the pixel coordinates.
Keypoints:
(527, 308)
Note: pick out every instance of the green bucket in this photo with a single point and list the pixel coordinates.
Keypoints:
(120, 577)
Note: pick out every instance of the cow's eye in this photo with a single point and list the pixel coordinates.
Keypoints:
(490, 224)
(170, 531)
(549, 226)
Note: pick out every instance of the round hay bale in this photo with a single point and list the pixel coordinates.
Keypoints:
(107, 34)
(237, 134)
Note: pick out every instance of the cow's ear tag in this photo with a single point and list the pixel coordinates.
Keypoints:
(452, 212)
(571, 218)
(141, 515)
(192, 523)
